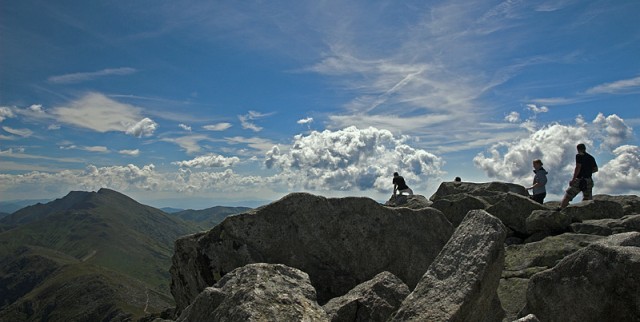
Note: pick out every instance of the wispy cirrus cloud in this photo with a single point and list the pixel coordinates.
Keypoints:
(88, 76)
(616, 87)
(25, 133)
(246, 121)
(95, 148)
(217, 127)
(97, 112)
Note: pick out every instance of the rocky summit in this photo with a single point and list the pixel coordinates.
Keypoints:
(471, 252)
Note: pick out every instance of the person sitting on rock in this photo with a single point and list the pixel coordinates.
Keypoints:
(400, 185)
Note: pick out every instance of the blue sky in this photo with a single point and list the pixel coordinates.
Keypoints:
(199, 103)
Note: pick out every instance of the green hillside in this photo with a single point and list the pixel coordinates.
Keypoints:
(103, 238)
(77, 291)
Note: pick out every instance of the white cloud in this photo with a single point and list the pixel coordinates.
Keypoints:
(306, 120)
(25, 133)
(217, 127)
(99, 113)
(134, 153)
(621, 174)
(260, 144)
(36, 108)
(350, 159)
(53, 127)
(130, 178)
(82, 77)
(209, 161)
(145, 127)
(185, 127)
(5, 113)
(537, 109)
(513, 117)
(621, 86)
(613, 130)
(245, 120)
(555, 145)
(100, 149)
(189, 143)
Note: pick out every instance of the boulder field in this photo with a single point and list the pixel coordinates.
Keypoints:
(471, 252)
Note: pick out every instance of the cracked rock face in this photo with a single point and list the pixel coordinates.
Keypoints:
(339, 242)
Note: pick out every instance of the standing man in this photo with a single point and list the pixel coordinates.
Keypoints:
(581, 181)
(400, 185)
(539, 181)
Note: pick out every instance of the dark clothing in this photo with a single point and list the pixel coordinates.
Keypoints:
(539, 198)
(399, 180)
(587, 164)
(541, 178)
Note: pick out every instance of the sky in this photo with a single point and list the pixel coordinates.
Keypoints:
(193, 104)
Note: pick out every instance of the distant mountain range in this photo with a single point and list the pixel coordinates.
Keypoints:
(8, 207)
(92, 256)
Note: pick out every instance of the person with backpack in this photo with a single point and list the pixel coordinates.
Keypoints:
(582, 180)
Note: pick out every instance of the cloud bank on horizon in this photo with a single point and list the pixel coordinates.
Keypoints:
(232, 102)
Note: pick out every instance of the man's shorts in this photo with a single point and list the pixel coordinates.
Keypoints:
(574, 190)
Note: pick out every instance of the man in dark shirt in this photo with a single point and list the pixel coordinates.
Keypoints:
(400, 185)
(582, 180)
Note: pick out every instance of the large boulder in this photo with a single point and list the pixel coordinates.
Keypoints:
(513, 209)
(630, 203)
(600, 282)
(523, 261)
(606, 227)
(257, 292)
(476, 189)
(526, 259)
(370, 301)
(461, 283)
(547, 221)
(455, 207)
(339, 242)
(413, 202)
(594, 209)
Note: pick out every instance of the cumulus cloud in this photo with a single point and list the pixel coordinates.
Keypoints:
(555, 145)
(99, 113)
(25, 133)
(82, 77)
(145, 127)
(208, 161)
(513, 117)
(613, 130)
(185, 127)
(129, 178)
(134, 153)
(5, 113)
(351, 158)
(217, 127)
(621, 174)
